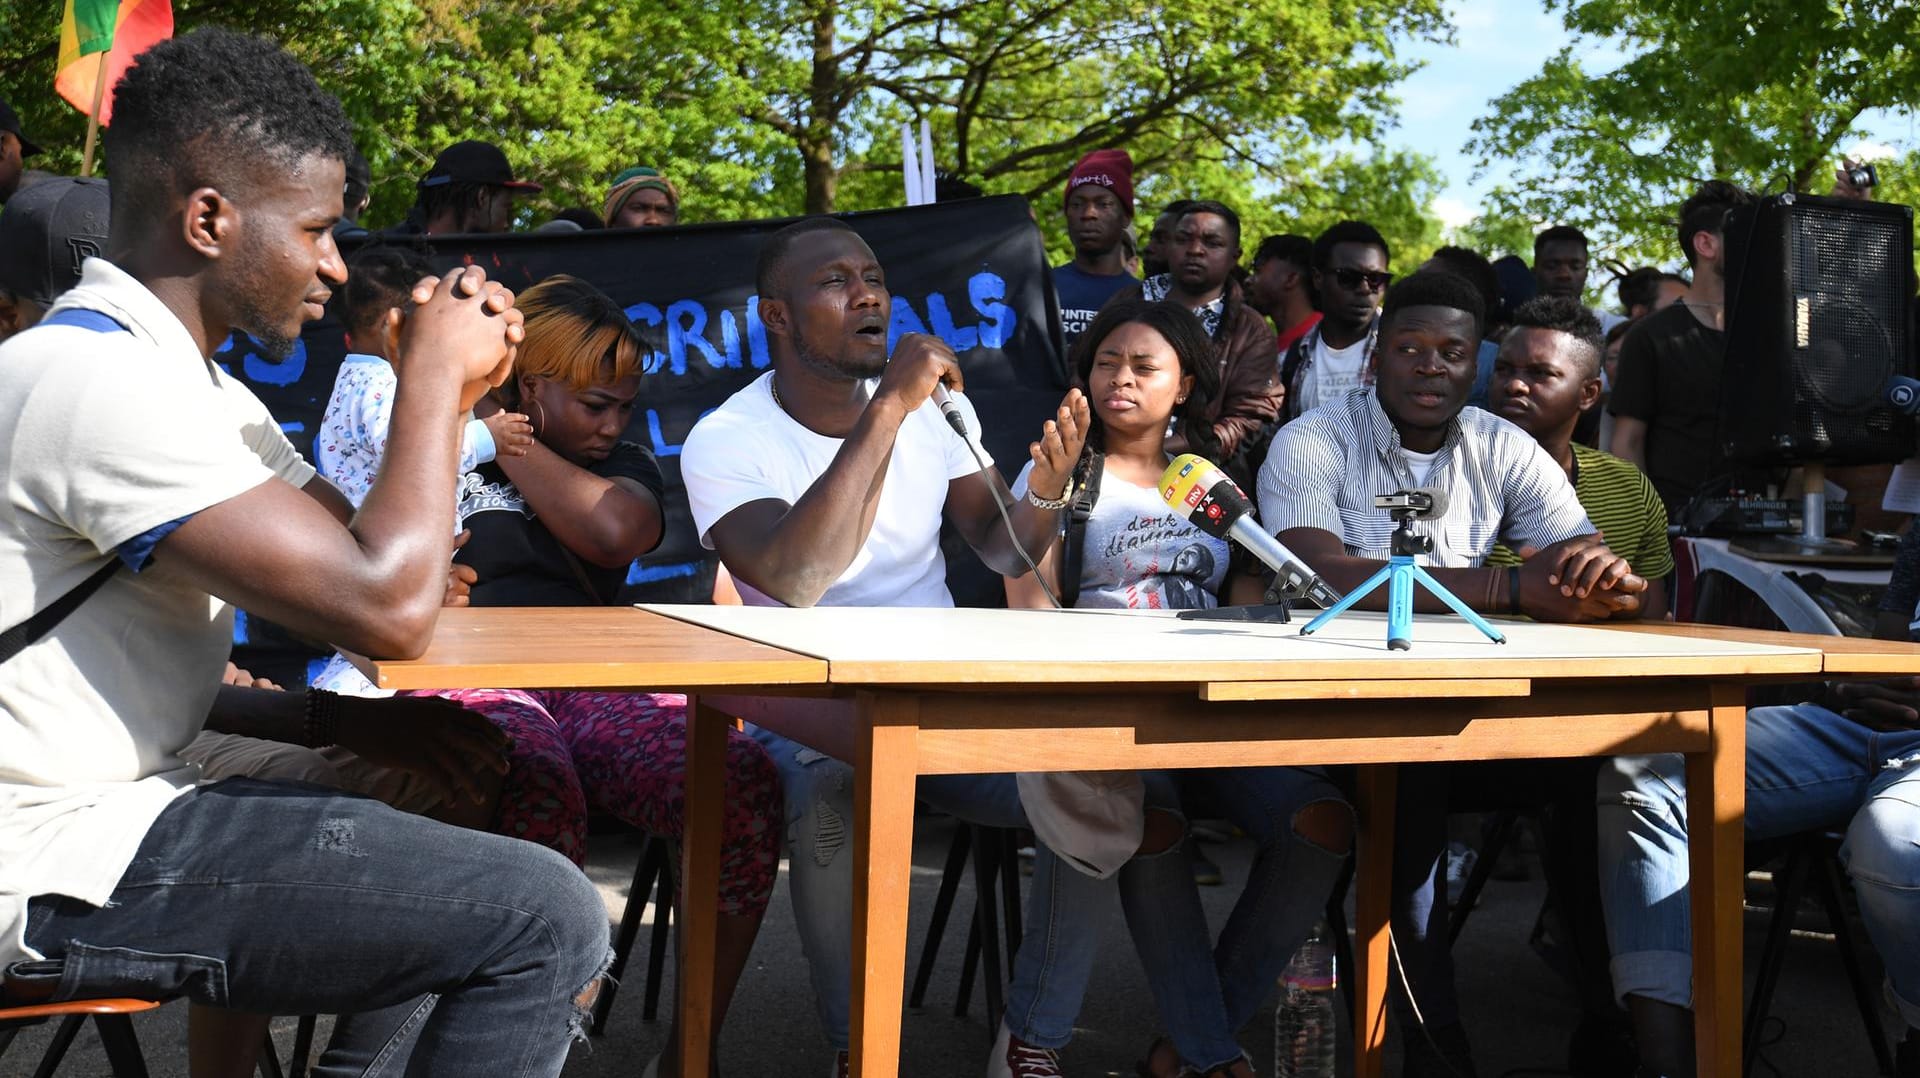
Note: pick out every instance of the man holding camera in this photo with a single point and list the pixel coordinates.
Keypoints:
(1412, 429)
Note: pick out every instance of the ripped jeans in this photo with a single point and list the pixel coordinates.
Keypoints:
(1807, 768)
(463, 953)
(819, 796)
(1206, 990)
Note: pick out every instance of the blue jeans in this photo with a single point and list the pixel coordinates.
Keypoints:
(819, 806)
(462, 953)
(1054, 965)
(1807, 768)
(1206, 991)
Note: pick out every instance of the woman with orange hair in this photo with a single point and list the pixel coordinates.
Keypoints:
(559, 526)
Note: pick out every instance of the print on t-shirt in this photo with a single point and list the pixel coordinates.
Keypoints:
(477, 495)
(1138, 549)
(1136, 554)
(1082, 294)
(516, 561)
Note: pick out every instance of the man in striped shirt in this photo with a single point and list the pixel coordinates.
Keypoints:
(1545, 378)
(1410, 429)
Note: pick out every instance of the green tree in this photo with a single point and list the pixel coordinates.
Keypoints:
(569, 89)
(1391, 190)
(1016, 90)
(795, 105)
(1899, 179)
(1497, 235)
(1761, 92)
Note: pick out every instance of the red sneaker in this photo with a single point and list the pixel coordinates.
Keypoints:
(1015, 1058)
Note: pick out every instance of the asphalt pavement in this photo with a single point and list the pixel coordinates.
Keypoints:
(1517, 1010)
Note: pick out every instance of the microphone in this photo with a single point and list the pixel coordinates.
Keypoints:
(955, 417)
(1904, 394)
(1193, 487)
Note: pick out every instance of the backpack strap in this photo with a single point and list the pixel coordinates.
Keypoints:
(29, 632)
(83, 318)
(1079, 511)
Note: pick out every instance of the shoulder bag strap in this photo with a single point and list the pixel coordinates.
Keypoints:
(29, 632)
(1079, 511)
(579, 572)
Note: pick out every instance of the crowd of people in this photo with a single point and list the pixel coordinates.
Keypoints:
(413, 858)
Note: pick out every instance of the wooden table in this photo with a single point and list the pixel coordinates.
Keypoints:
(620, 647)
(912, 692)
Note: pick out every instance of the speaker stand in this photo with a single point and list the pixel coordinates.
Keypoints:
(1812, 543)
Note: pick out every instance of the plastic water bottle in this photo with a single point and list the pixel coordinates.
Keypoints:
(1303, 1027)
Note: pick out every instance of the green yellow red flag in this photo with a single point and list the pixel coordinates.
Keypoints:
(122, 29)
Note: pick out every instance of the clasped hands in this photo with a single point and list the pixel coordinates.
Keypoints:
(1578, 579)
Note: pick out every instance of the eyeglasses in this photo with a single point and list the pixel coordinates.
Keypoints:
(1354, 280)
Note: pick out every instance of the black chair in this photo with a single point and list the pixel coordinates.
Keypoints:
(110, 1016)
(1342, 940)
(298, 1060)
(653, 875)
(1815, 856)
(996, 883)
(1499, 832)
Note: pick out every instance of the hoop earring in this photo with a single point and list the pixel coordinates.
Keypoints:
(540, 423)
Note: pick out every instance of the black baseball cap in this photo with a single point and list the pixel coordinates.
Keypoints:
(47, 231)
(473, 161)
(10, 121)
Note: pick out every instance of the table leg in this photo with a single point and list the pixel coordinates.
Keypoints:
(698, 909)
(882, 869)
(1716, 829)
(1372, 883)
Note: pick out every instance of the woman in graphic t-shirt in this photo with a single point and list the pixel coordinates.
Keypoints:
(559, 526)
(1145, 364)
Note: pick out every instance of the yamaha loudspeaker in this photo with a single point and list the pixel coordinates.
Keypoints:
(1817, 322)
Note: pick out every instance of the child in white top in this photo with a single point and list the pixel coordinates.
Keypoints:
(353, 433)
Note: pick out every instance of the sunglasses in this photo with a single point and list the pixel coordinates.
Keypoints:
(1353, 280)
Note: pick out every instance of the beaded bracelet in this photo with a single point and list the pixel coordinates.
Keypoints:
(323, 715)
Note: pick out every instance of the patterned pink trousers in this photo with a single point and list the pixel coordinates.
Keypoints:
(625, 754)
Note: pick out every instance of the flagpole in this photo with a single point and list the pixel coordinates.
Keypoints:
(93, 117)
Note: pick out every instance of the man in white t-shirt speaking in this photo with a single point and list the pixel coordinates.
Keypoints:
(134, 463)
(825, 482)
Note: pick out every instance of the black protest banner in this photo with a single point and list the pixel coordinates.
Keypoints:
(973, 273)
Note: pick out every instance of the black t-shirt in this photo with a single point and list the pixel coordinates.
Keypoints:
(1670, 380)
(518, 561)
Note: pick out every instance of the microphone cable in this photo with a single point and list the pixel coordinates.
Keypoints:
(1006, 516)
